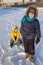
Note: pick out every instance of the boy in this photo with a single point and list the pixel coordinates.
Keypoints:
(15, 35)
(30, 29)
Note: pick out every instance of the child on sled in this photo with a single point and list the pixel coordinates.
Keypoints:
(15, 36)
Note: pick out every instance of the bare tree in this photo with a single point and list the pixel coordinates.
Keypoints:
(1, 0)
(38, 0)
(23, 1)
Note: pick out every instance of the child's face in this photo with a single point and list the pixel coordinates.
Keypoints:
(16, 30)
(31, 15)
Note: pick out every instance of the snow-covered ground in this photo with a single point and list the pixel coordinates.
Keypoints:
(16, 56)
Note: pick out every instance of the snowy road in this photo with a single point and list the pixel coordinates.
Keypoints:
(16, 56)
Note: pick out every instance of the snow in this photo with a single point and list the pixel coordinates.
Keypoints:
(16, 56)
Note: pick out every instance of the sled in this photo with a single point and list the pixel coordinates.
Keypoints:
(17, 44)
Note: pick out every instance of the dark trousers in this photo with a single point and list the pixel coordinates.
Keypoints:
(12, 42)
(29, 46)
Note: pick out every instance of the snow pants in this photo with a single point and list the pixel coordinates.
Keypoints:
(29, 46)
(12, 42)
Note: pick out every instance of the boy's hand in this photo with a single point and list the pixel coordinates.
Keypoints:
(37, 40)
(16, 41)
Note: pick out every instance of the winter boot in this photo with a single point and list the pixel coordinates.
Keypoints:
(31, 58)
(27, 55)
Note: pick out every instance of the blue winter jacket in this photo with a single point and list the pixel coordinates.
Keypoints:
(30, 28)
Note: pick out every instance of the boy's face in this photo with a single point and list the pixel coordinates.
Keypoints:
(31, 15)
(16, 30)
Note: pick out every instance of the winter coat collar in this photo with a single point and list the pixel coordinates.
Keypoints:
(30, 19)
(27, 18)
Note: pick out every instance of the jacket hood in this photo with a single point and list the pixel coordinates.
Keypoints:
(14, 27)
(30, 8)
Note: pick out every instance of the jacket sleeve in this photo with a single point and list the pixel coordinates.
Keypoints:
(22, 20)
(38, 31)
(18, 35)
(12, 36)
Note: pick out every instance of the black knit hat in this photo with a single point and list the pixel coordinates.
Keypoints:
(32, 10)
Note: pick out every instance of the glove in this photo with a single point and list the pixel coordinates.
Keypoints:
(37, 40)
